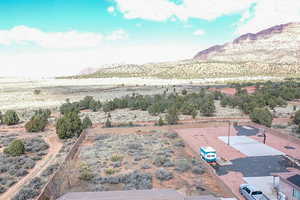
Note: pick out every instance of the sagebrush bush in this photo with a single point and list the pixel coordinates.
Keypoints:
(116, 157)
(85, 173)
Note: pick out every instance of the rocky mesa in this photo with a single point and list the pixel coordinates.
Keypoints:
(278, 44)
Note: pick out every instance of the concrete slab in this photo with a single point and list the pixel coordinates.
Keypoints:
(250, 147)
(264, 184)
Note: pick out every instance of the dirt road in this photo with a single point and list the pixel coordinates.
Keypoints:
(54, 147)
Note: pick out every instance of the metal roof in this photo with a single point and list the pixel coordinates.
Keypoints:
(155, 194)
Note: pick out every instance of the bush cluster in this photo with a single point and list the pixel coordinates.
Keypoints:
(187, 103)
(269, 94)
(38, 121)
(87, 103)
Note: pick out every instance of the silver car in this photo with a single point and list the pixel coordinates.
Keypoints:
(250, 193)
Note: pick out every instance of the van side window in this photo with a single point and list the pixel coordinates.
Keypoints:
(247, 190)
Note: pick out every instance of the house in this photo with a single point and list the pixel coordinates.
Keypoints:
(155, 194)
(289, 185)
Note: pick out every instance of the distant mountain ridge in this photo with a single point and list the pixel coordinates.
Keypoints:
(270, 52)
(278, 44)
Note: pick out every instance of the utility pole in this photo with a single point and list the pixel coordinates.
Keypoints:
(265, 136)
(228, 142)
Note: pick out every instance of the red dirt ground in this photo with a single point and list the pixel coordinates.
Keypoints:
(232, 91)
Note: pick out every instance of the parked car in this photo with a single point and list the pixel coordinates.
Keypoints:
(208, 154)
(250, 193)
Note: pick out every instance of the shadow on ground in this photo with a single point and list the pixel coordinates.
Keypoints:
(246, 130)
(256, 166)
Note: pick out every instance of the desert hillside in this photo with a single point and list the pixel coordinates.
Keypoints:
(271, 52)
(278, 44)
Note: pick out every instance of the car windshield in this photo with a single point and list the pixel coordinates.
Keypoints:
(256, 193)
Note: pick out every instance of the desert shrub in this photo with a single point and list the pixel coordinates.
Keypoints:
(85, 173)
(160, 161)
(262, 116)
(36, 124)
(11, 117)
(172, 115)
(187, 108)
(160, 122)
(36, 91)
(172, 135)
(50, 170)
(208, 108)
(1, 118)
(38, 121)
(35, 145)
(30, 191)
(182, 165)
(89, 103)
(69, 126)
(86, 123)
(179, 143)
(2, 189)
(16, 148)
(110, 171)
(69, 107)
(281, 126)
(116, 157)
(297, 117)
(198, 170)
(163, 175)
(108, 123)
(184, 92)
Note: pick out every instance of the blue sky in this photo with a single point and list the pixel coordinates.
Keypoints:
(44, 36)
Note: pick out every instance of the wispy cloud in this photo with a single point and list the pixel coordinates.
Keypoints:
(22, 35)
(267, 13)
(161, 10)
(199, 32)
(118, 35)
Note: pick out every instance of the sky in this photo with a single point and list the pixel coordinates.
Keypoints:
(61, 37)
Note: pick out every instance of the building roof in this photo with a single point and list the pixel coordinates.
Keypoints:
(295, 179)
(155, 194)
(291, 178)
(208, 149)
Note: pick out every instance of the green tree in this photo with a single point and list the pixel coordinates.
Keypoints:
(1, 118)
(194, 114)
(36, 124)
(184, 92)
(86, 123)
(69, 125)
(11, 117)
(208, 108)
(297, 117)
(16, 148)
(69, 107)
(172, 115)
(262, 116)
(38, 121)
